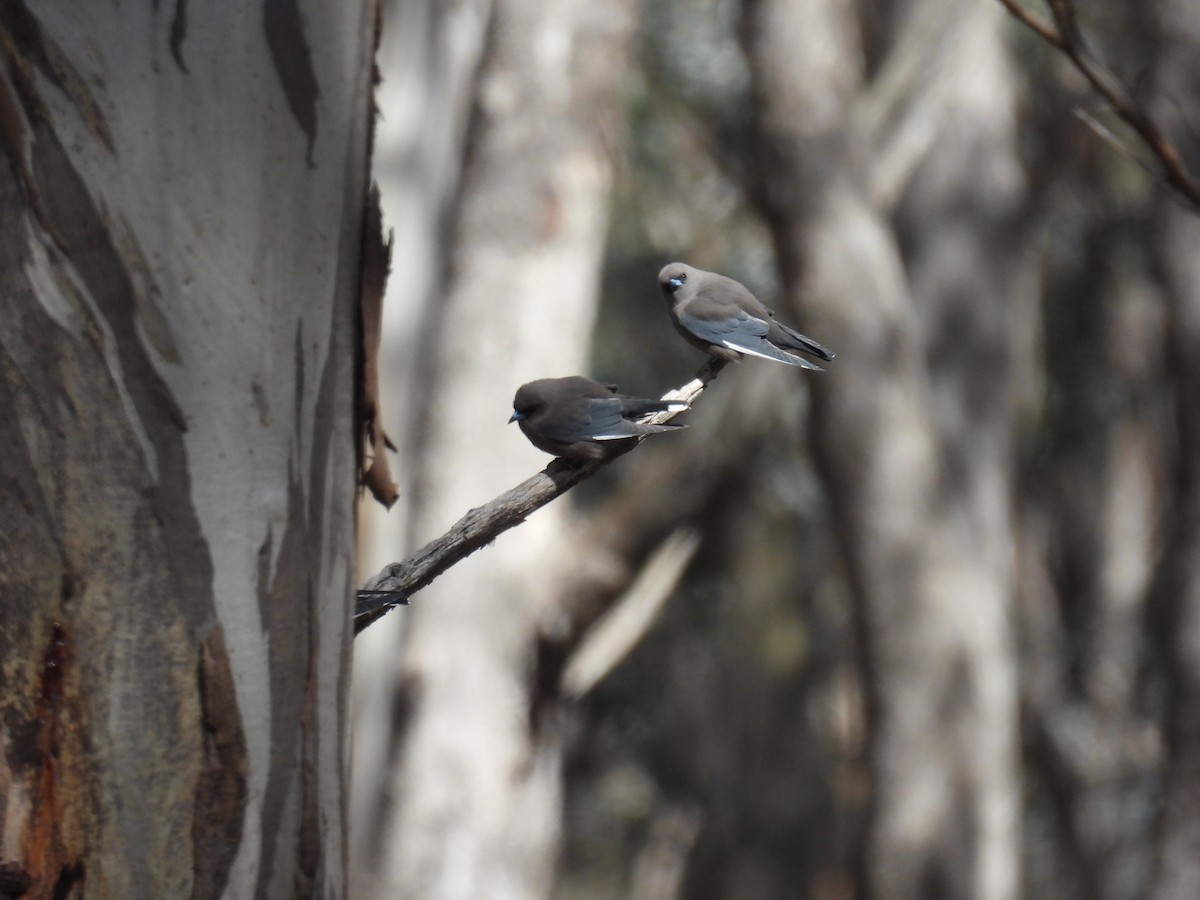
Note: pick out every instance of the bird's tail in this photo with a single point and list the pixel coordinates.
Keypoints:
(803, 343)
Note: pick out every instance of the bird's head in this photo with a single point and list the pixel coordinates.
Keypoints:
(673, 277)
(527, 401)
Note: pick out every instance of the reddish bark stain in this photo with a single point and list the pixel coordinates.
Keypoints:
(46, 857)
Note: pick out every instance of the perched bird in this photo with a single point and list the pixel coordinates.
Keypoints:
(579, 418)
(719, 315)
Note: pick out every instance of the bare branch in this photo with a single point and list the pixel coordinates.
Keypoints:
(479, 527)
(1105, 134)
(1043, 28)
(1064, 34)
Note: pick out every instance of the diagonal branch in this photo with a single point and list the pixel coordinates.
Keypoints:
(479, 527)
(1035, 23)
(1063, 34)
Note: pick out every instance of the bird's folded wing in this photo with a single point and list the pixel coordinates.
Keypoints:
(607, 423)
(744, 333)
(591, 419)
(740, 326)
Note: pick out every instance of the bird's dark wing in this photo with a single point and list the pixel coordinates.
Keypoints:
(601, 419)
(606, 422)
(584, 419)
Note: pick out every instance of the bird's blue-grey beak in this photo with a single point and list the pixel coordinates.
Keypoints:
(514, 417)
(675, 283)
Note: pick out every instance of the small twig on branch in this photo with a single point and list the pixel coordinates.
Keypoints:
(479, 527)
(1105, 134)
(1063, 34)
(1043, 28)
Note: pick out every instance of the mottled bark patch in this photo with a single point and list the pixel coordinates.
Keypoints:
(179, 33)
(32, 48)
(292, 856)
(286, 604)
(292, 58)
(14, 880)
(50, 837)
(104, 549)
(221, 788)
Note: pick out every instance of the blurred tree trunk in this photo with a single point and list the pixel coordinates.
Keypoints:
(181, 198)
(1177, 596)
(1107, 534)
(1176, 601)
(1092, 505)
(909, 264)
(475, 794)
(428, 56)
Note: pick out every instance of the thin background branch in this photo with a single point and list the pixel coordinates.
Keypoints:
(632, 614)
(1063, 34)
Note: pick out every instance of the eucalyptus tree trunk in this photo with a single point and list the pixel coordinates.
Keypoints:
(181, 198)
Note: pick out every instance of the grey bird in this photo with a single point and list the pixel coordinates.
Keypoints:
(579, 418)
(721, 316)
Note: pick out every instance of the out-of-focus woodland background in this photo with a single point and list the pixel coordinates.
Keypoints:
(926, 624)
